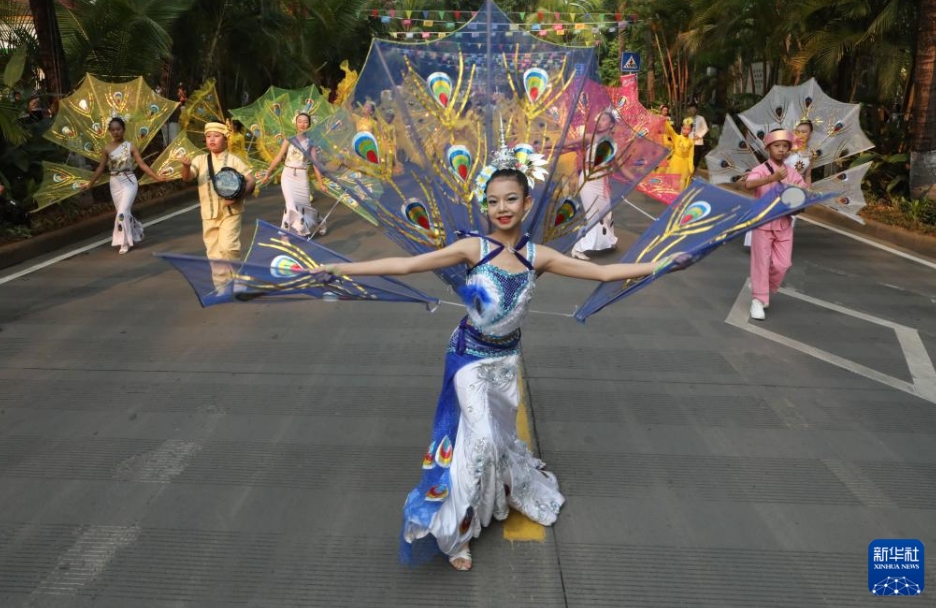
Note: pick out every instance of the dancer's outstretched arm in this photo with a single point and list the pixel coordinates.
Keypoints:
(458, 252)
(550, 260)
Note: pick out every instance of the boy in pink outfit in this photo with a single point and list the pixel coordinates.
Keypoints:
(772, 243)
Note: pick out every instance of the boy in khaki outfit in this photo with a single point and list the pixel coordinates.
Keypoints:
(221, 218)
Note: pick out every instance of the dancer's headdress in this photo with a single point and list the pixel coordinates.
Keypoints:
(614, 113)
(217, 127)
(521, 157)
(778, 135)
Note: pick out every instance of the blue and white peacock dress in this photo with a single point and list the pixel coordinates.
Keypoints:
(475, 467)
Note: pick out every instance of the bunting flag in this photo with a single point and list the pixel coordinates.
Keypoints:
(703, 218)
(560, 22)
(282, 266)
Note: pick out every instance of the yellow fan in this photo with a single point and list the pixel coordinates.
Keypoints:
(201, 108)
(81, 122)
(167, 163)
(270, 119)
(62, 181)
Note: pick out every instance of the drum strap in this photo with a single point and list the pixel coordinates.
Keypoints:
(211, 171)
(211, 179)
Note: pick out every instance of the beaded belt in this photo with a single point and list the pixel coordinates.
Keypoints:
(465, 331)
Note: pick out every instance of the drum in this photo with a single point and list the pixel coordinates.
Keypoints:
(229, 183)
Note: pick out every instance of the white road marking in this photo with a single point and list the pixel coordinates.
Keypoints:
(86, 559)
(90, 246)
(868, 241)
(918, 360)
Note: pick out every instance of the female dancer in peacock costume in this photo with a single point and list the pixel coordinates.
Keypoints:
(475, 467)
(118, 158)
(299, 153)
(596, 196)
(487, 232)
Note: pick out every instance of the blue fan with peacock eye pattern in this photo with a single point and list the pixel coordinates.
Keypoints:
(437, 110)
(700, 220)
(281, 265)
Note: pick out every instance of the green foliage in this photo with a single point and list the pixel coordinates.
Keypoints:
(16, 232)
(610, 67)
(249, 45)
(11, 130)
(919, 210)
(888, 176)
(118, 38)
(21, 165)
(14, 67)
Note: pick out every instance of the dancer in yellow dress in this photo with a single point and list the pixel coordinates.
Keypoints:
(683, 148)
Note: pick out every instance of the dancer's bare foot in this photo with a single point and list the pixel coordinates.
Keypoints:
(461, 560)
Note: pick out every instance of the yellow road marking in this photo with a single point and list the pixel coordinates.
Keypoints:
(518, 527)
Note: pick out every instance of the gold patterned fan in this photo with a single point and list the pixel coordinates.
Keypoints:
(168, 164)
(60, 182)
(201, 108)
(83, 117)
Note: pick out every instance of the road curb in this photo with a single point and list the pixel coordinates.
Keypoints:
(21, 251)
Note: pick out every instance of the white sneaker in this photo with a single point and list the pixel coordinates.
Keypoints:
(757, 310)
(578, 255)
(322, 228)
(123, 250)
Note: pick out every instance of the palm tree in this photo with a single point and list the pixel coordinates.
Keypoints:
(857, 43)
(248, 45)
(119, 38)
(923, 141)
(52, 55)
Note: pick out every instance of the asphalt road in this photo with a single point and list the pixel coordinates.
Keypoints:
(155, 454)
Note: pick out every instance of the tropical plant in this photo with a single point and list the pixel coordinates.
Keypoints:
(887, 175)
(856, 43)
(249, 45)
(923, 143)
(119, 38)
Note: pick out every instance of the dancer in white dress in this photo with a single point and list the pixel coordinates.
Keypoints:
(118, 158)
(595, 195)
(475, 467)
(299, 217)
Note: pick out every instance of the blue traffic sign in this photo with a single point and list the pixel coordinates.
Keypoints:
(630, 61)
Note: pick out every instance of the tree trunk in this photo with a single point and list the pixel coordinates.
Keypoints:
(51, 52)
(651, 66)
(923, 126)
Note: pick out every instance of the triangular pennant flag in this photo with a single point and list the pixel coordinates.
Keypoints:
(522, 16)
